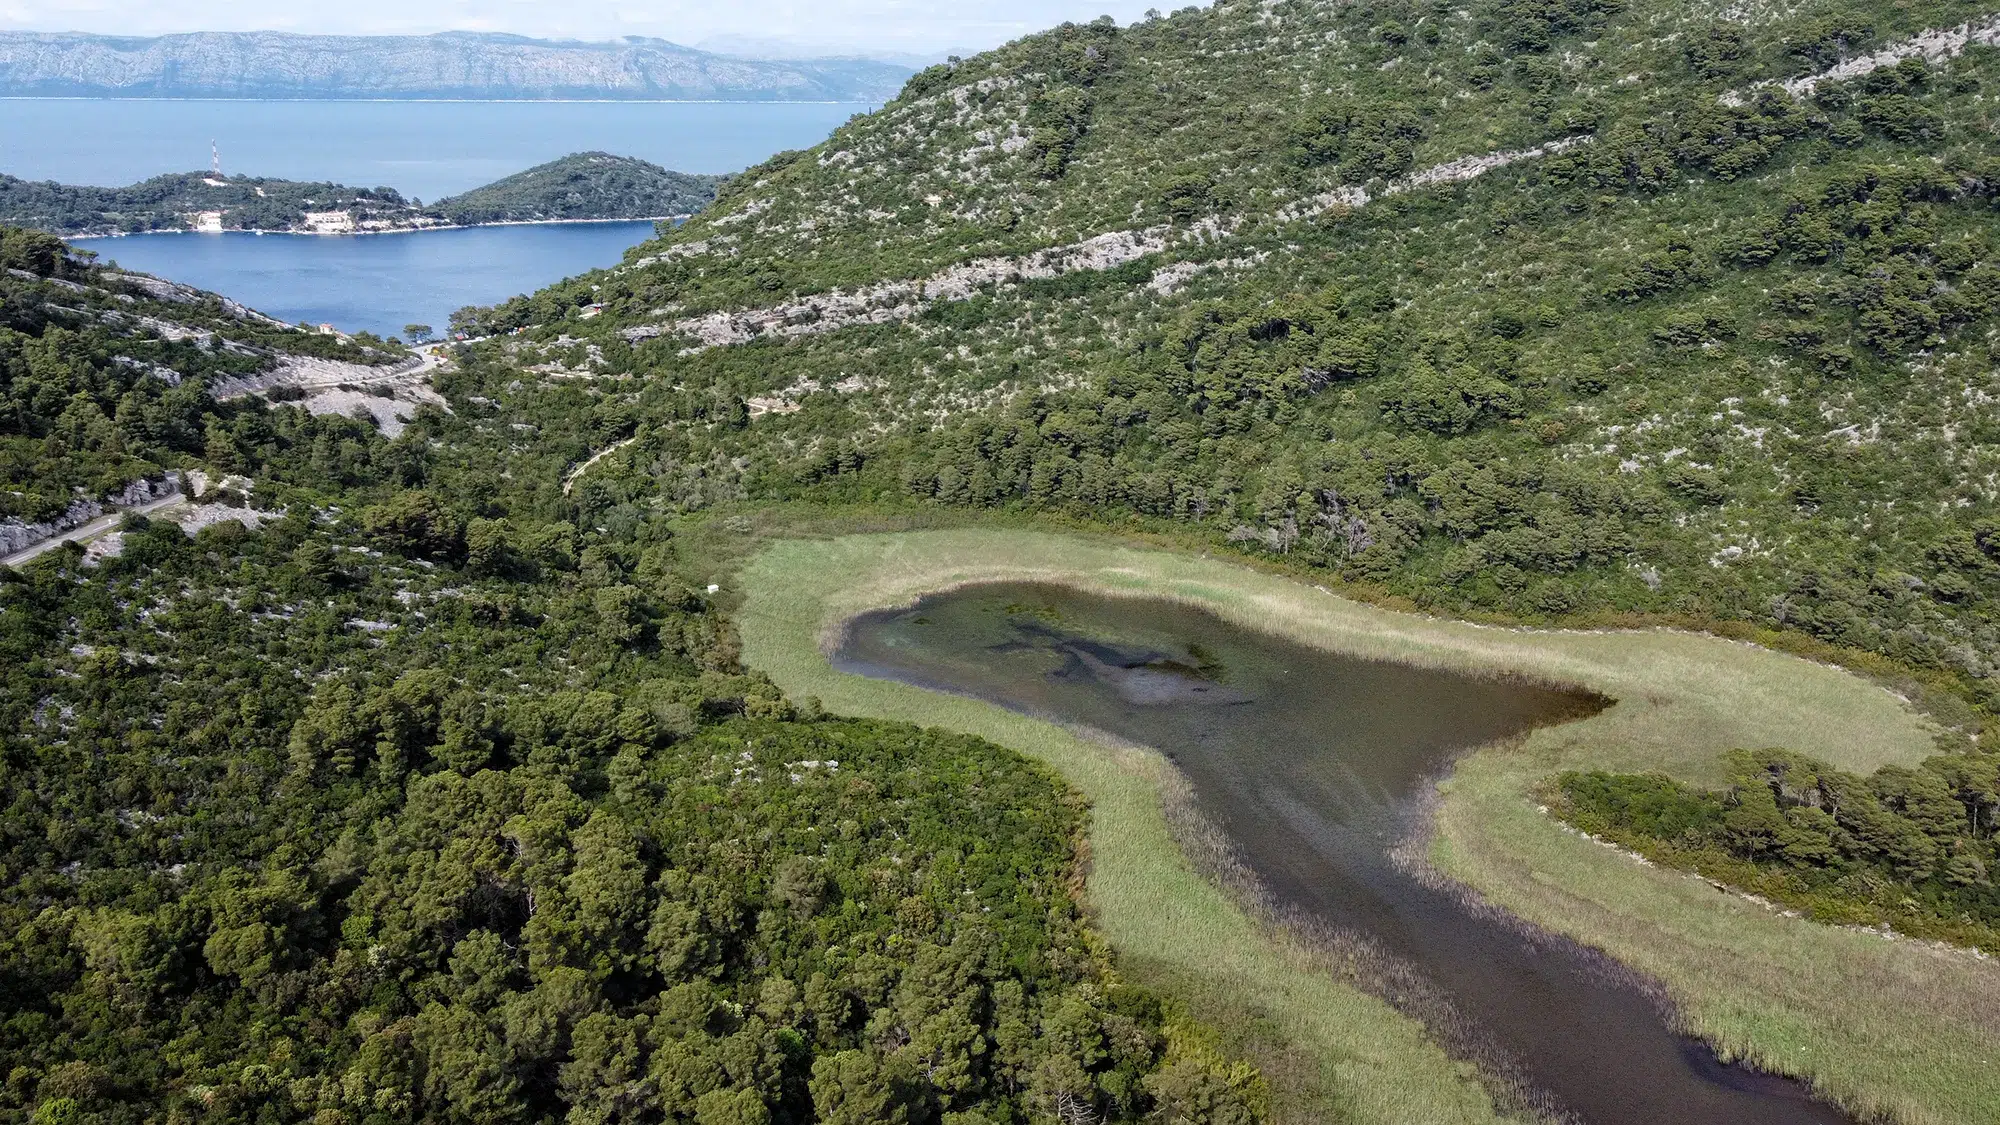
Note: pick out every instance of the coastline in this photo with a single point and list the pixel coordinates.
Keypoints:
(397, 230)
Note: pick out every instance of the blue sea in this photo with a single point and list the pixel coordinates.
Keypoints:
(376, 282)
(426, 150)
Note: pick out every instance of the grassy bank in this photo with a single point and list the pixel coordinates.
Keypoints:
(1891, 1028)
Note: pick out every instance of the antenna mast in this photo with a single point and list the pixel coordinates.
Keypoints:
(214, 160)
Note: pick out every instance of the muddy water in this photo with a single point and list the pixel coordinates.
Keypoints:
(1313, 766)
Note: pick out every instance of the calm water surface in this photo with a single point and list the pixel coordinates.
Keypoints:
(1313, 764)
(377, 282)
(427, 150)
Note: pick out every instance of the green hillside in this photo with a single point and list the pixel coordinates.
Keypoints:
(1546, 309)
(105, 375)
(333, 792)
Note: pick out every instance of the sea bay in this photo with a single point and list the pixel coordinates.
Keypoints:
(376, 282)
(426, 150)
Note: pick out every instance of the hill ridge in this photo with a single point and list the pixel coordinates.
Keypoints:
(475, 65)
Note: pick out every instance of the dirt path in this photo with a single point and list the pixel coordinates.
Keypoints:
(569, 482)
(84, 533)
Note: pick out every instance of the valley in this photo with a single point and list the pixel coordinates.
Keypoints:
(1283, 562)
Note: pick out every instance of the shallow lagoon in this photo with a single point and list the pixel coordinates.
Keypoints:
(1314, 766)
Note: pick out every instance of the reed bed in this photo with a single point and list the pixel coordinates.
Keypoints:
(1896, 1030)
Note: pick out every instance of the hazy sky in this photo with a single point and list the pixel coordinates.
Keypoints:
(886, 25)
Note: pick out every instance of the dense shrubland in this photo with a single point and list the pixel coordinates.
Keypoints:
(432, 796)
(1914, 849)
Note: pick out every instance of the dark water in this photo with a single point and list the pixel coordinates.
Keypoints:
(376, 282)
(1313, 765)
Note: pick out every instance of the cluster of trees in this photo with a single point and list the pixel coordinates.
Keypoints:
(1074, 56)
(1361, 141)
(1536, 25)
(538, 850)
(1914, 847)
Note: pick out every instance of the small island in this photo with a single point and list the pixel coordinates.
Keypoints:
(582, 187)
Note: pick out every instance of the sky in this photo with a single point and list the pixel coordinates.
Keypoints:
(918, 27)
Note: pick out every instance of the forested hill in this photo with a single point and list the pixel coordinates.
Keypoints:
(457, 64)
(581, 186)
(585, 185)
(1553, 309)
(380, 783)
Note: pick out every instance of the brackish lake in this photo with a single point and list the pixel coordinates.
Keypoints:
(1314, 766)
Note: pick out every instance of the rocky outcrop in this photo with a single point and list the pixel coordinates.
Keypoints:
(16, 535)
(451, 65)
(900, 300)
(1931, 46)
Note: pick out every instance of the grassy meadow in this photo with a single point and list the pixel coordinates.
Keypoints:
(1893, 1029)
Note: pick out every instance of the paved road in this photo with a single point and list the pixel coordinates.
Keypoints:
(84, 533)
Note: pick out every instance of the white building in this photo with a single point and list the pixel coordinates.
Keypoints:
(329, 222)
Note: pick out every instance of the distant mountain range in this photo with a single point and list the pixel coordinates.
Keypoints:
(586, 186)
(467, 65)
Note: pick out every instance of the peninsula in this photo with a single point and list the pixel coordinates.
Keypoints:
(586, 186)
